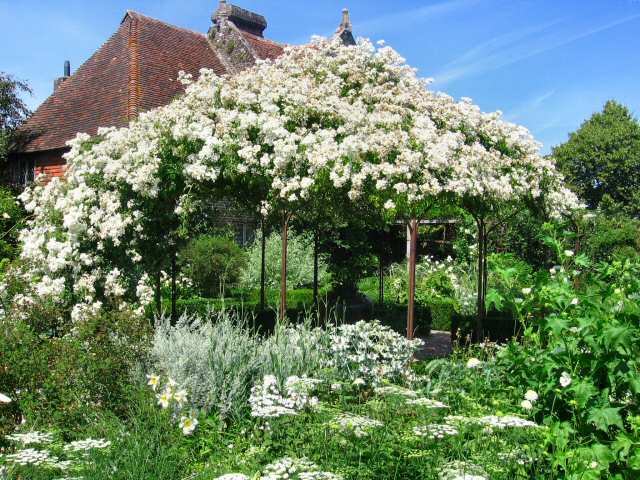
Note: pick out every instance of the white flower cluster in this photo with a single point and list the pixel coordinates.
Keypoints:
(530, 397)
(358, 116)
(435, 431)
(296, 469)
(31, 456)
(395, 391)
(369, 352)
(87, 444)
(506, 421)
(232, 476)
(460, 470)
(31, 437)
(426, 402)
(267, 401)
(357, 425)
(492, 421)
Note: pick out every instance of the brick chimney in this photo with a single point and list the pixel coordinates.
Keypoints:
(243, 19)
(67, 73)
(345, 30)
(227, 35)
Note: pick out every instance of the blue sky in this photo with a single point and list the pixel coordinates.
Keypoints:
(547, 64)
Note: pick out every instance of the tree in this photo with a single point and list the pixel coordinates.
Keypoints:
(13, 110)
(330, 128)
(602, 159)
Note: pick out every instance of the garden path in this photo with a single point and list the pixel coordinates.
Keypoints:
(436, 345)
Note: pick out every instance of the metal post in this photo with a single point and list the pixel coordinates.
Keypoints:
(413, 228)
(283, 271)
(480, 317)
(380, 280)
(263, 266)
(174, 288)
(158, 293)
(315, 269)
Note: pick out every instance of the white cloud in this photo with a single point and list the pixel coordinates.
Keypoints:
(405, 18)
(529, 105)
(513, 47)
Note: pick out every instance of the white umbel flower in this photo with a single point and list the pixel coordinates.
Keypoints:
(473, 363)
(565, 379)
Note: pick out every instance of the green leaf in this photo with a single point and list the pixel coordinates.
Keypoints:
(583, 391)
(494, 299)
(622, 445)
(634, 383)
(617, 337)
(557, 324)
(605, 417)
(602, 454)
(582, 260)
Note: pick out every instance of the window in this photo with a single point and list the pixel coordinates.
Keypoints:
(245, 234)
(24, 171)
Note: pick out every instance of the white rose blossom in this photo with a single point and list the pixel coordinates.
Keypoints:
(356, 116)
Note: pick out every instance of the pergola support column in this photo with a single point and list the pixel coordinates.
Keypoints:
(413, 241)
(283, 265)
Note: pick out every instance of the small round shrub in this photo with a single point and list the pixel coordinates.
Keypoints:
(214, 263)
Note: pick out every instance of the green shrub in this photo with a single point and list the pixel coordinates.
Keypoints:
(299, 263)
(580, 354)
(66, 380)
(445, 286)
(12, 217)
(213, 263)
(609, 236)
(508, 275)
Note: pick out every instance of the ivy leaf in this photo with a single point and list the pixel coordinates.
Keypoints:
(605, 417)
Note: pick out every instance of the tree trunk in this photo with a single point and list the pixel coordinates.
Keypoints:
(174, 289)
(413, 227)
(283, 271)
(263, 267)
(315, 270)
(482, 278)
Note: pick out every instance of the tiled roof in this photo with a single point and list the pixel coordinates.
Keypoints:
(135, 70)
(263, 47)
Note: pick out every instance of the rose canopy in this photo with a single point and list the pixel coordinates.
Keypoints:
(353, 120)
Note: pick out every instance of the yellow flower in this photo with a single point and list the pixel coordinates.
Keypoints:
(164, 398)
(154, 381)
(188, 425)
